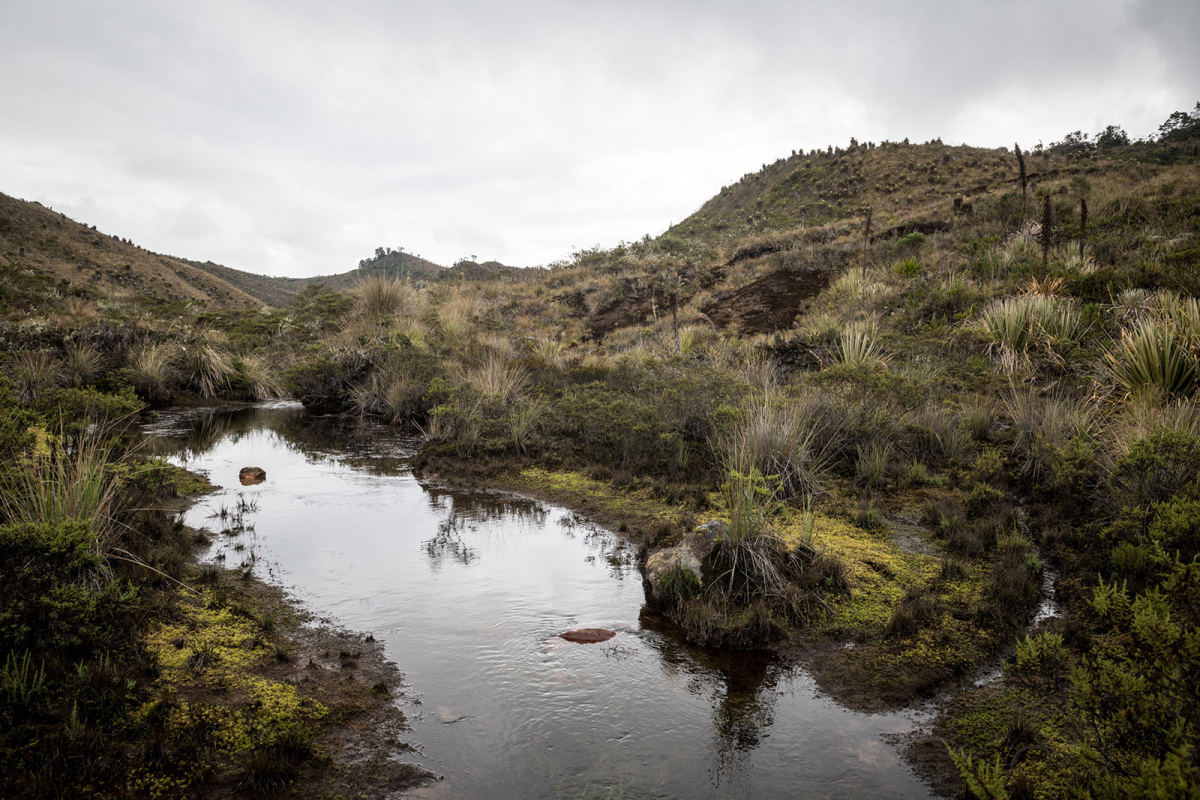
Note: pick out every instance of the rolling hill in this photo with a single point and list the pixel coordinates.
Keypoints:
(37, 239)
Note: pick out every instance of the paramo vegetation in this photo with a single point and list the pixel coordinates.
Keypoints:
(919, 386)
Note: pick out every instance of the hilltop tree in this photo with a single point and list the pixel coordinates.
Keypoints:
(1180, 126)
(1112, 136)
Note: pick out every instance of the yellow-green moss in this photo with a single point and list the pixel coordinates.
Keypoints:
(1050, 769)
(878, 571)
(213, 648)
(600, 497)
(187, 483)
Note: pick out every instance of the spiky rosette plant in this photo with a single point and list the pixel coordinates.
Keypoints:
(1154, 354)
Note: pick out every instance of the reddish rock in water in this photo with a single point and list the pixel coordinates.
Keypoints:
(587, 635)
(252, 476)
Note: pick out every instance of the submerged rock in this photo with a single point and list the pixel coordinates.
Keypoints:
(252, 476)
(688, 555)
(588, 635)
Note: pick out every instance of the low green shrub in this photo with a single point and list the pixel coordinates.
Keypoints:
(1155, 469)
(1042, 661)
(57, 593)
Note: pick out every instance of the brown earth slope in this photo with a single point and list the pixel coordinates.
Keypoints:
(39, 239)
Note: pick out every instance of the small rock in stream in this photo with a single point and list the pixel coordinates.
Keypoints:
(588, 635)
(252, 476)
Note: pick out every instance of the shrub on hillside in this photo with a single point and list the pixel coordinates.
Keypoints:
(1155, 469)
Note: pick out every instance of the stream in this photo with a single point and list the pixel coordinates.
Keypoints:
(468, 591)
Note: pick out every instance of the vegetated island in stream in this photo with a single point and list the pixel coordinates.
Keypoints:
(857, 408)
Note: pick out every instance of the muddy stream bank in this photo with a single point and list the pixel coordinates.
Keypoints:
(467, 593)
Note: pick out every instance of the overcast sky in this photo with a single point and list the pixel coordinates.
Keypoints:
(293, 137)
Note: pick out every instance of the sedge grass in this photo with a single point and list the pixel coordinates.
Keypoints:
(70, 479)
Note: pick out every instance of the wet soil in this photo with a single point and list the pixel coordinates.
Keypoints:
(768, 304)
(351, 676)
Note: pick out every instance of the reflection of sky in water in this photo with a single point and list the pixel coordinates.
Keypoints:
(467, 592)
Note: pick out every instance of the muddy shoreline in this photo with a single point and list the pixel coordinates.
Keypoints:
(362, 747)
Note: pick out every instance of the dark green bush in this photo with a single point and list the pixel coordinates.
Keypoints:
(72, 407)
(1155, 469)
(15, 422)
(1176, 528)
(323, 378)
(57, 594)
(1135, 691)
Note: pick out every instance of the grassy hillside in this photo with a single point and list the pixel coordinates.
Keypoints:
(79, 260)
(36, 239)
(819, 187)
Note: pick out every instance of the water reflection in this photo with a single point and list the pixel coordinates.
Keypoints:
(741, 686)
(467, 588)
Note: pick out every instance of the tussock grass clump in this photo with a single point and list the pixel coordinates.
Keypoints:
(381, 296)
(456, 316)
(388, 393)
(81, 363)
(1150, 412)
(153, 369)
(497, 379)
(979, 418)
(261, 380)
(412, 329)
(788, 440)
(549, 351)
(209, 369)
(853, 286)
(872, 463)
(1043, 425)
(938, 434)
(689, 340)
(524, 419)
(34, 371)
(72, 480)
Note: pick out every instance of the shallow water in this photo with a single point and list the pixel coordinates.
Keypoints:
(468, 591)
